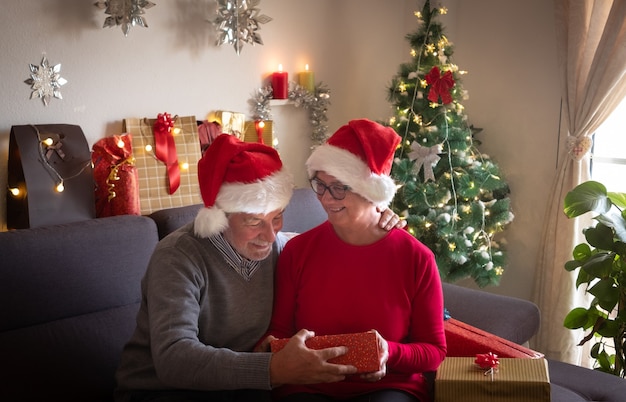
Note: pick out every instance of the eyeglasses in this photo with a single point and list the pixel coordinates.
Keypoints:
(337, 191)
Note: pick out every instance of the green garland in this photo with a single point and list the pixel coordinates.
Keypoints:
(315, 102)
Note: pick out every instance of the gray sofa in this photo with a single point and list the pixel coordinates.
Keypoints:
(69, 294)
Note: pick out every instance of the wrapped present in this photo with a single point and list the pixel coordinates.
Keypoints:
(464, 340)
(207, 132)
(167, 165)
(115, 176)
(513, 380)
(259, 131)
(231, 122)
(362, 349)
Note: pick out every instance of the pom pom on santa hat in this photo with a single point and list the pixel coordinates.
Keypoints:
(236, 176)
(360, 155)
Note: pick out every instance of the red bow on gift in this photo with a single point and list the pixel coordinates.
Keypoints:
(440, 85)
(487, 360)
(165, 149)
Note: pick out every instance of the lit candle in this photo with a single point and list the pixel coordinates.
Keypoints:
(279, 83)
(306, 79)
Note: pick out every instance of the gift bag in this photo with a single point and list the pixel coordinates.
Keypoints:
(171, 183)
(115, 176)
(50, 176)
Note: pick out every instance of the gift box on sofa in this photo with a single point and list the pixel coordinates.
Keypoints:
(362, 349)
(514, 380)
(464, 340)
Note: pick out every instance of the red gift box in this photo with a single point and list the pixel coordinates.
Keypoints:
(467, 341)
(362, 349)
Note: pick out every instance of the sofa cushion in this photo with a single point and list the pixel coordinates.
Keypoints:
(70, 294)
(60, 271)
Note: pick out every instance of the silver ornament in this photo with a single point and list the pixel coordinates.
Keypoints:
(45, 81)
(126, 13)
(238, 22)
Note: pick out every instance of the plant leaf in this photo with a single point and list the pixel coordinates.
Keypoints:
(599, 266)
(615, 220)
(618, 199)
(600, 236)
(577, 318)
(586, 197)
(606, 293)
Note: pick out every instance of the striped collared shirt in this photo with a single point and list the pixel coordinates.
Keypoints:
(243, 266)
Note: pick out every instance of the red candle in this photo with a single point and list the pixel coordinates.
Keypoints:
(279, 83)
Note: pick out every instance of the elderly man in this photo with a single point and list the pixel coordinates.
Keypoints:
(207, 293)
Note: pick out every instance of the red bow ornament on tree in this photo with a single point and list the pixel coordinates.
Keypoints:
(165, 149)
(440, 85)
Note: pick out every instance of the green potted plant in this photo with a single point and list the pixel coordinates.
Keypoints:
(601, 262)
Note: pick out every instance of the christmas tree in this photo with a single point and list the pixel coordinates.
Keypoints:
(453, 196)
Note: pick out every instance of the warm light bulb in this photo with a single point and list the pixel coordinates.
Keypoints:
(60, 187)
(14, 191)
(275, 142)
(48, 141)
(148, 148)
(120, 143)
(184, 166)
(262, 123)
(175, 130)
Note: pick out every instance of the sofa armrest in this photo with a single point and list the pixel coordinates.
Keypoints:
(511, 318)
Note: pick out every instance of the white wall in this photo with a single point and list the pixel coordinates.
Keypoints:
(354, 46)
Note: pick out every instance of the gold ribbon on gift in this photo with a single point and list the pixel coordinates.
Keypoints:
(113, 176)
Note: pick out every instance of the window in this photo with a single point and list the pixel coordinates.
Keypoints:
(608, 155)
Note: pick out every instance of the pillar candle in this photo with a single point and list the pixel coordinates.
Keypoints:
(307, 80)
(280, 84)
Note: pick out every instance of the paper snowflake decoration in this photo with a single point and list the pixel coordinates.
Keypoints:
(126, 13)
(45, 81)
(238, 22)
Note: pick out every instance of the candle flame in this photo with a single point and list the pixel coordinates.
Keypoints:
(306, 67)
(280, 68)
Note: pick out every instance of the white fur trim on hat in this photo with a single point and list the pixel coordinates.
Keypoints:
(352, 171)
(260, 197)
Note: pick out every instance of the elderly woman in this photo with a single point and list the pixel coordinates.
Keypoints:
(348, 275)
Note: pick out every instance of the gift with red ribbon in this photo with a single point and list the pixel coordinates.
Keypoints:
(166, 150)
(115, 176)
(487, 377)
(440, 85)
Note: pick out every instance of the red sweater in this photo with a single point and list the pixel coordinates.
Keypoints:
(328, 286)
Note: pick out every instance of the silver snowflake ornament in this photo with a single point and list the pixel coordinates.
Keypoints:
(45, 81)
(126, 13)
(238, 22)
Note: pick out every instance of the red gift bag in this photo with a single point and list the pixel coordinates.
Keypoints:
(115, 175)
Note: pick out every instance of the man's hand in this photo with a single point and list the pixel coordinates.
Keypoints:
(389, 220)
(297, 364)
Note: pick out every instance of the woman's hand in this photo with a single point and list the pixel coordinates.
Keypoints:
(389, 219)
(383, 355)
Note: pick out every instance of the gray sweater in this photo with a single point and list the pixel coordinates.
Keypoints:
(198, 321)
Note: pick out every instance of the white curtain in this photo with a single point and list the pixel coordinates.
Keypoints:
(591, 49)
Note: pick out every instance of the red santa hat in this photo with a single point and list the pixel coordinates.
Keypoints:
(360, 155)
(236, 176)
